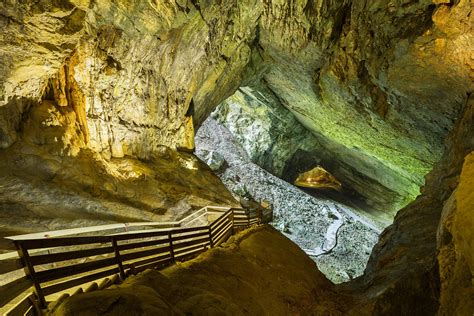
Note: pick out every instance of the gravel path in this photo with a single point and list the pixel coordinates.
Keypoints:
(337, 240)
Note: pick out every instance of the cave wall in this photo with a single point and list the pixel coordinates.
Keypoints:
(276, 141)
(380, 83)
(147, 74)
(419, 264)
(268, 132)
(95, 94)
(134, 67)
(91, 91)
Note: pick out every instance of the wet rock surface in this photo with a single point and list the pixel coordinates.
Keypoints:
(333, 234)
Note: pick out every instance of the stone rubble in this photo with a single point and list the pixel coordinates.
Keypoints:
(325, 229)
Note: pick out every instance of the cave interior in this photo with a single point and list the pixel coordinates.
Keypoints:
(352, 120)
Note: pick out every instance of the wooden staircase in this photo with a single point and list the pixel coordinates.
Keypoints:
(48, 267)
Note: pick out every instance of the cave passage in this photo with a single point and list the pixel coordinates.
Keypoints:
(333, 234)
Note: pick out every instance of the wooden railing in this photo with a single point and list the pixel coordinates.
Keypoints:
(52, 266)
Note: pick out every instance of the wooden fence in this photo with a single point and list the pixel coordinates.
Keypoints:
(53, 265)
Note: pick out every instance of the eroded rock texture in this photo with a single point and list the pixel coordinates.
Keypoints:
(399, 67)
(353, 73)
(403, 275)
(103, 85)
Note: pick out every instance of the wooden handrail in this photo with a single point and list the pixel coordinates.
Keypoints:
(96, 257)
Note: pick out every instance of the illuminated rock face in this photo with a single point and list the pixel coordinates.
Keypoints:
(378, 83)
(137, 70)
(354, 74)
(318, 178)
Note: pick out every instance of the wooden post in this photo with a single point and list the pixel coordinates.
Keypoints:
(210, 237)
(30, 273)
(171, 246)
(119, 259)
(260, 216)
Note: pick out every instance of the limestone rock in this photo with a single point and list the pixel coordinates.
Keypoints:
(380, 85)
(403, 269)
(337, 237)
(213, 159)
(456, 246)
(318, 178)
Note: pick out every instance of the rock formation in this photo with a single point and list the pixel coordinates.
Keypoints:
(318, 178)
(339, 238)
(100, 100)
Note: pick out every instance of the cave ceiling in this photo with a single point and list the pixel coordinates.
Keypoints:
(378, 83)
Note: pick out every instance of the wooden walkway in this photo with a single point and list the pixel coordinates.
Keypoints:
(46, 268)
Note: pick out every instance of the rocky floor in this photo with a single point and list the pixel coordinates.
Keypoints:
(331, 233)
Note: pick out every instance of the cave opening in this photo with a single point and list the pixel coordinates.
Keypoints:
(249, 142)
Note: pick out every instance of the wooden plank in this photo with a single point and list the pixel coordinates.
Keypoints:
(144, 253)
(189, 243)
(191, 250)
(118, 259)
(241, 214)
(191, 218)
(152, 265)
(217, 230)
(241, 217)
(218, 208)
(91, 229)
(239, 210)
(22, 307)
(55, 257)
(196, 235)
(58, 287)
(188, 229)
(62, 242)
(9, 265)
(240, 222)
(216, 227)
(170, 238)
(33, 311)
(11, 290)
(220, 219)
(7, 244)
(139, 263)
(159, 233)
(130, 236)
(224, 237)
(216, 237)
(31, 274)
(62, 272)
(143, 244)
(211, 243)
